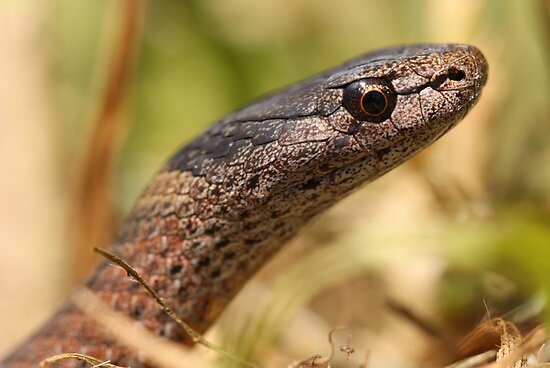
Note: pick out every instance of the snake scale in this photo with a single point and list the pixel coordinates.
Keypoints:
(226, 202)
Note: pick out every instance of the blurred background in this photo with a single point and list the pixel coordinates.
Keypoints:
(95, 95)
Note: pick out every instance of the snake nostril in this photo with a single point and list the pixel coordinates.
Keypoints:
(455, 74)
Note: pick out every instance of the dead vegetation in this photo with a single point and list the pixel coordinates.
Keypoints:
(494, 343)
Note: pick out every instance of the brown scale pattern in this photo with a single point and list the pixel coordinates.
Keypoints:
(225, 203)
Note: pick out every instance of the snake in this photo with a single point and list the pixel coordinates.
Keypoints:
(225, 203)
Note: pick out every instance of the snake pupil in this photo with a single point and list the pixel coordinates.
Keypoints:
(374, 102)
(369, 99)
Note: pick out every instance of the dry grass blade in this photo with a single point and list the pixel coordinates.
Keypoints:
(197, 337)
(531, 343)
(486, 336)
(95, 363)
(514, 350)
(476, 360)
(94, 203)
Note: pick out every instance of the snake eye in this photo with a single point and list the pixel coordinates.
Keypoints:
(369, 100)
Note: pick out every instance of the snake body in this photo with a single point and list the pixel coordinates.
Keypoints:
(226, 202)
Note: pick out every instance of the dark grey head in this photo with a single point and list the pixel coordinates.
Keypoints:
(342, 128)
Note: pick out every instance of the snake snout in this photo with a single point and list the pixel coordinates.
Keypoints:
(482, 67)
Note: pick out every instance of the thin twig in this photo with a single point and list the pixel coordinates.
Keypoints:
(197, 337)
(95, 363)
(159, 352)
(318, 360)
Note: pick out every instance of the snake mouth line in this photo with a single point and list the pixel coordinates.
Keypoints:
(433, 83)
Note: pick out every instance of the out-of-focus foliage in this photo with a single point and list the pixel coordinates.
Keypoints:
(464, 227)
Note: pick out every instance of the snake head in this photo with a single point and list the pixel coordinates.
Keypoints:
(406, 97)
(348, 125)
